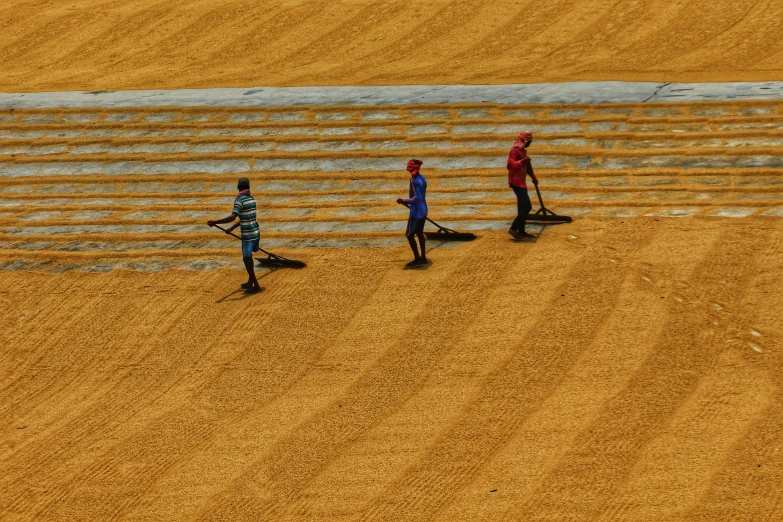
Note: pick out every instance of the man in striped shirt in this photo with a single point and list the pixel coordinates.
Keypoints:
(245, 210)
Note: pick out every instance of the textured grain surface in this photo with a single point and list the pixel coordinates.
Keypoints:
(110, 44)
(613, 369)
(623, 367)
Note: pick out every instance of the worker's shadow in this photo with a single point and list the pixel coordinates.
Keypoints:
(541, 228)
(242, 295)
(425, 266)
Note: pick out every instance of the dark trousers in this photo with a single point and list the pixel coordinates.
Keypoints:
(523, 208)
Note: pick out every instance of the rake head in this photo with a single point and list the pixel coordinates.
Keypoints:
(545, 215)
(275, 261)
(446, 234)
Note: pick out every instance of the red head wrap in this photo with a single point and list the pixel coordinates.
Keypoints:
(413, 166)
(523, 138)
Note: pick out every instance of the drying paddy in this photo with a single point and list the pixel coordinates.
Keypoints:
(624, 366)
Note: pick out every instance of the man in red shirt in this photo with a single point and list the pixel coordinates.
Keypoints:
(519, 167)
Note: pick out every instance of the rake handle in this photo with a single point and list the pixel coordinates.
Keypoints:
(227, 232)
(427, 218)
(239, 238)
(541, 201)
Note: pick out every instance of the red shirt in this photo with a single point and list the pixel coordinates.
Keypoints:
(517, 167)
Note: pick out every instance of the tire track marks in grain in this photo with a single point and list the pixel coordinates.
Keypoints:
(424, 33)
(58, 369)
(115, 395)
(674, 470)
(456, 40)
(517, 389)
(275, 484)
(742, 22)
(333, 47)
(362, 473)
(45, 42)
(750, 477)
(275, 25)
(494, 48)
(89, 400)
(688, 349)
(227, 18)
(601, 371)
(389, 310)
(127, 25)
(253, 377)
(47, 357)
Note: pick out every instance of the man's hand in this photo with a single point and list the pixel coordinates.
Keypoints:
(535, 181)
(211, 223)
(400, 201)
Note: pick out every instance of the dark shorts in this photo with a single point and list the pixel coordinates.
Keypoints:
(415, 226)
(248, 247)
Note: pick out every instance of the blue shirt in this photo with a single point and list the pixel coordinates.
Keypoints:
(417, 196)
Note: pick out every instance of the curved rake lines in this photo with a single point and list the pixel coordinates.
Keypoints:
(337, 48)
(168, 39)
(362, 474)
(97, 399)
(126, 388)
(605, 368)
(511, 393)
(518, 38)
(426, 45)
(757, 29)
(52, 359)
(628, 32)
(243, 379)
(231, 18)
(258, 46)
(211, 43)
(385, 25)
(674, 471)
(42, 42)
(710, 43)
(274, 487)
(689, 347)
(359, 344)
(748, 479)
(531, 52)
(154, 403)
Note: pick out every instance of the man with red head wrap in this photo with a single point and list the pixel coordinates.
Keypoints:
(417, 202)
(518, 169)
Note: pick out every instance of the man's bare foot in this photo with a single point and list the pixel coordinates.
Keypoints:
(253, 289)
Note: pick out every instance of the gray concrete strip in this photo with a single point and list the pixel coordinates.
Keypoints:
(542, 93)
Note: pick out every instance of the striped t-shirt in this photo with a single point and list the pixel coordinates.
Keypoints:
(245, 207)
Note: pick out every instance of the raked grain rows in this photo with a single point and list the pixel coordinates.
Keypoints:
(134, 186)
(604, 372)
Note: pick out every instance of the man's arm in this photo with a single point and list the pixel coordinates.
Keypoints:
(513, 162)
(228, 219)
(415, 197)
